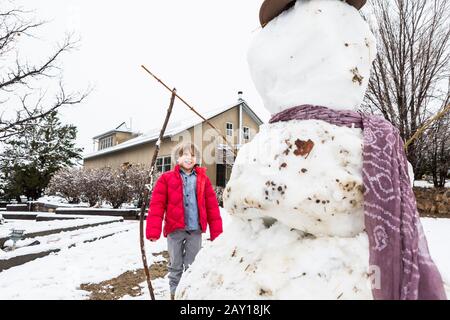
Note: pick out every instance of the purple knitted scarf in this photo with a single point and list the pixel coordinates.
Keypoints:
(399, 255)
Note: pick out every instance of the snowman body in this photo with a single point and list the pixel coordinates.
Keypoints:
(297, 220)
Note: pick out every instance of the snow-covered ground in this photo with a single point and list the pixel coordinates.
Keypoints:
(63, 240)
(58, 276)
(31, 226)
(438, 236)
(426, 184)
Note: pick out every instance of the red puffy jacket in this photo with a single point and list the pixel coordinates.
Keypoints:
(167, 203)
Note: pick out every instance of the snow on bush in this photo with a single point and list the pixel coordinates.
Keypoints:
(115, 188)
(137, 176)
(65, 183)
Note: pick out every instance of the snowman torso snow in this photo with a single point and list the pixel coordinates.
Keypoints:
(319, 193)
(298, 217)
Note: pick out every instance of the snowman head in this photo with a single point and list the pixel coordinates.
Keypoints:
(317, 52)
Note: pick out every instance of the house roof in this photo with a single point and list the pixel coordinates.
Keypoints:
(173, 129)
(116, 130)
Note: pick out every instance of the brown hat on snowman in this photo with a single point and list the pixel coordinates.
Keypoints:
(272, 8)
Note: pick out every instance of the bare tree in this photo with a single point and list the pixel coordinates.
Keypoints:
(410, 77)
(438, 151)
(20, 80)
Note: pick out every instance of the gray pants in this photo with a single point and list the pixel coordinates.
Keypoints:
(183, 247)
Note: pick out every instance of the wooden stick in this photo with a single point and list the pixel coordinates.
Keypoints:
(191, 108)
(422, 129)
(148, 191)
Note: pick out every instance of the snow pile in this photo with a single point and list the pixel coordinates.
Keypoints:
(321, 53)
(319, 194)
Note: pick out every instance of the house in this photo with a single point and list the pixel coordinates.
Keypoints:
(237, 122)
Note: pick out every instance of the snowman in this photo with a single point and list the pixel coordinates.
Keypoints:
(302, 221)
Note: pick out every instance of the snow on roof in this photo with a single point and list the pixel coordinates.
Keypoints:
(171, 130)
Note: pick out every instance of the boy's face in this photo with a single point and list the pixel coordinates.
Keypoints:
(187, 160)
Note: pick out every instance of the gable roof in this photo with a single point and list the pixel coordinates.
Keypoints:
(116, 130)
(174, 129)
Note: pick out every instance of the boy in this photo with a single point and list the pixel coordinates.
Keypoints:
(185, 199)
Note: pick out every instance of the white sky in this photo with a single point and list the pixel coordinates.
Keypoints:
(199, 47)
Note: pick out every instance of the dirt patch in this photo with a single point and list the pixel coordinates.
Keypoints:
(127, 283)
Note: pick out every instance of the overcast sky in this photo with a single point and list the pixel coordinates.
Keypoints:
(199, 47)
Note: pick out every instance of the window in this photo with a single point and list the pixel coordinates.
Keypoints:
(106, 143)
(164, 164)
(246, 133)
(229, 129)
